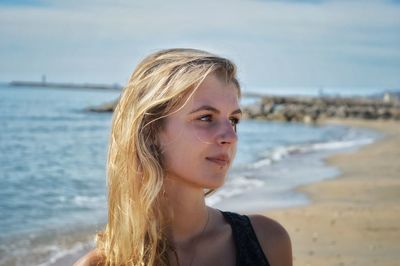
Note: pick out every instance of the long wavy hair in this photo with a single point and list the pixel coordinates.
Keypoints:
(135, 233)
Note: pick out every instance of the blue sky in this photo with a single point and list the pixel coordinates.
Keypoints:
(279, 46)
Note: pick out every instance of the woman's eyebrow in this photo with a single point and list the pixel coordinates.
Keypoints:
(205, 108)
(237, 111)
(213, 109)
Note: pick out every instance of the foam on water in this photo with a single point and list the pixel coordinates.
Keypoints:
(233, 187)
(280, 153)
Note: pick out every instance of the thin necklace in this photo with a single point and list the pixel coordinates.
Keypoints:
(194, 249)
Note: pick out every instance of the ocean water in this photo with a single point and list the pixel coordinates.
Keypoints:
(52, 169)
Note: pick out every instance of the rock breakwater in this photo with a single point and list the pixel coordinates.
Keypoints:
(310, 109)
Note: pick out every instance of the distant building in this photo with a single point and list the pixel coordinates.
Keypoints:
(389, 97)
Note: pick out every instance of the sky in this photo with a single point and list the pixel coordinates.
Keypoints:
(279, 46)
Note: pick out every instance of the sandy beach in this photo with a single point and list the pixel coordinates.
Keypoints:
(354, 219)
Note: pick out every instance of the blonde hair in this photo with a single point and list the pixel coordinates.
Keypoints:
(161, 83)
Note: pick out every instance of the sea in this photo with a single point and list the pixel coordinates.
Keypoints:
(53, 161)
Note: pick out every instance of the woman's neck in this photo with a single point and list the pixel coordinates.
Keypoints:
(188, 212)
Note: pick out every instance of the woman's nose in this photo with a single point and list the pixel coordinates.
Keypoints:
(227, 134)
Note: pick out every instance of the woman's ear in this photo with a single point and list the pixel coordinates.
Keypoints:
(161, 138)
(156, 146)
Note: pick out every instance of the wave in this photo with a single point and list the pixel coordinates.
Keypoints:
(89, 202)
(234, 186)
(47, 247)
(60, 254)
(282, 152)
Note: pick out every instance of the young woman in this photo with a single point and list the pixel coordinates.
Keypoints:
(172, 142)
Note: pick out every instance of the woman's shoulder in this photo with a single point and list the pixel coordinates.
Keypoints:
(92, 258)
(274, 240)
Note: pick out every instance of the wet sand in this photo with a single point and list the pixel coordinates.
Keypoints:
(353, 219)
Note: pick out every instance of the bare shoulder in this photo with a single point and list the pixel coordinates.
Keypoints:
(93, 258)
(274, 239)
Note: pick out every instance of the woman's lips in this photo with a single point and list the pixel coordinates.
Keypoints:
(221, 160)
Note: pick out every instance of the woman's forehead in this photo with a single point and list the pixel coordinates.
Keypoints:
(216, 93)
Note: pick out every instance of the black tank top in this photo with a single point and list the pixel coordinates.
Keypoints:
(248, 249)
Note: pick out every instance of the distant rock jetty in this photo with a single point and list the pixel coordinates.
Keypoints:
(102, 108)
(65, 85)
(310, 109)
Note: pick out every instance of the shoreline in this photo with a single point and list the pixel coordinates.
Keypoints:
(352, 219)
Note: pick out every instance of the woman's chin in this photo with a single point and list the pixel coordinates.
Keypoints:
(216, 184)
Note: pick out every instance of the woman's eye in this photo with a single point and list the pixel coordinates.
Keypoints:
(206, 118)
(234, 121)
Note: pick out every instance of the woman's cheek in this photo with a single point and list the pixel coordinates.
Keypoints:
(205, 133)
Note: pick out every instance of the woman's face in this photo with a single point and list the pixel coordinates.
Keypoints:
(199, 140)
